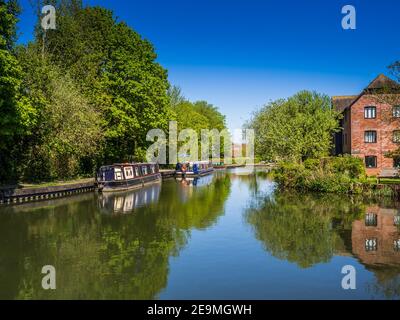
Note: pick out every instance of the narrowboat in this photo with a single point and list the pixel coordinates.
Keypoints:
(126, 176)
(193, 169)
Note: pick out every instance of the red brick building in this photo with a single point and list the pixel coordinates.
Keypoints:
(371, 125)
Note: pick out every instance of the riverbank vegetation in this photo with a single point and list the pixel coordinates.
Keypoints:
(295, 129)
(83, 95)
(296, 134)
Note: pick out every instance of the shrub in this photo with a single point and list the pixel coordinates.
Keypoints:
(329, 175)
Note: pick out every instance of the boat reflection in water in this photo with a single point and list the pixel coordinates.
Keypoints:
(128, 201)
(196, 181)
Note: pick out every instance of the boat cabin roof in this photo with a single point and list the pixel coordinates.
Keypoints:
(124, 165)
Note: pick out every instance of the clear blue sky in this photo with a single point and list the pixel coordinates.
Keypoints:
(239, 54)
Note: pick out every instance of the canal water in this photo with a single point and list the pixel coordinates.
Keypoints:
(230, 235)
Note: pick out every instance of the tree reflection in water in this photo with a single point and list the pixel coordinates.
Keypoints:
(98, 252)
(307, 229)
(302, 228)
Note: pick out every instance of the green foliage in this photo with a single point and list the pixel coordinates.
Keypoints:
(67, 129)
(102, 255)
(214, 118)
(328, 175)
(296, 129)
(83, 95)
(16, 111)
(117, 71)
(197, 116)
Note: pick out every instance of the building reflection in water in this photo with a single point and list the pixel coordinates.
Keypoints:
(128, 201)
(376, 239)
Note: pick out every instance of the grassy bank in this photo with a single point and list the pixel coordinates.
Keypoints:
(27, 185)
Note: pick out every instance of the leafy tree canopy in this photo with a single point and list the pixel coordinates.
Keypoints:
(296, 128)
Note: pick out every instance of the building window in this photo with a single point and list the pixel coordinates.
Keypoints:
(370, 137)
(371, 161)
(371, 244)
(371, 220)
(396, 220)
(345, 138)
(396, 245)
(396, 111)
(370, 112)
(396, 136)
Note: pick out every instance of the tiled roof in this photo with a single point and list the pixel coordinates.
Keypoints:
(383, 82)
(342, 102)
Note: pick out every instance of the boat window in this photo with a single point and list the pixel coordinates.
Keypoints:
(144, 170)
(128, 172)
(137, 173)
(153, 169)
(118, 174)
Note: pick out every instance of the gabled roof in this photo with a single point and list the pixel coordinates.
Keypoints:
(383, 82)
(380, 85)
(342, 102)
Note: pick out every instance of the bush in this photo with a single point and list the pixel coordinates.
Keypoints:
(328, 175)
(352, 166)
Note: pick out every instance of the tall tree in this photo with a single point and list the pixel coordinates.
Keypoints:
(14, 108)
(216, 120)
(296, 128)
(67, 128)
(117, 71)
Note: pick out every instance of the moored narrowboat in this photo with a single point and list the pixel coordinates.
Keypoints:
(126, 176)
(194, 169)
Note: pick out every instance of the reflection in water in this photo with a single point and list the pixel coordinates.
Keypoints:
(311, 229)
(196, 181)
(128, 201)
(375, 245)
(120, 245)
(99, 256)
(373, 241)
(304, 229)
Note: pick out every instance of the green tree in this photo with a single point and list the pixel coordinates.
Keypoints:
(67, 128)
(296, 128)
(175, 96)
(117, 71)
(216, 120)
(16, 112)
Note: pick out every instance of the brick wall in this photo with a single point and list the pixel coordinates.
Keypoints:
(384, 124)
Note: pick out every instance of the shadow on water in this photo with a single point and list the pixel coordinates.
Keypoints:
(111, 246)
